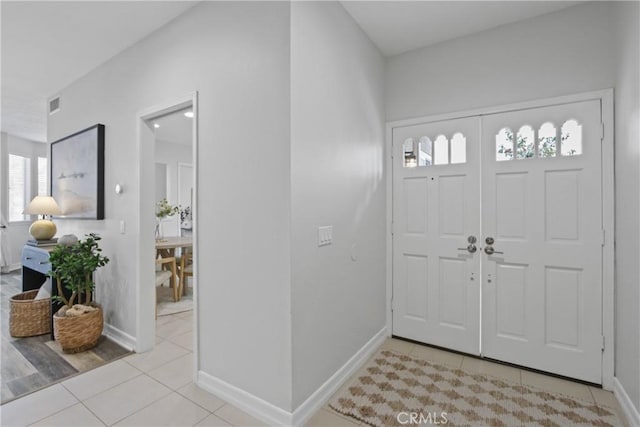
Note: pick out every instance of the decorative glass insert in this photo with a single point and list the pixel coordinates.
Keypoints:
(409, 150)
(504, 145)
(571, 139)
(547, 140)
(525, 146)
(441, 150)
(458, 148)
(425, 147)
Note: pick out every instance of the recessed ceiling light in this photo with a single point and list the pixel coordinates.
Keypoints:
(155, 125)
(189, 114)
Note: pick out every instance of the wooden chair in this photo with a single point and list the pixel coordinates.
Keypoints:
(167, 275)
(186, 269)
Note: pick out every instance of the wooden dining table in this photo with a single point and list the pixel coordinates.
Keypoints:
(166, 248)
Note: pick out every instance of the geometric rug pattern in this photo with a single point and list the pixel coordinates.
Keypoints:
(399, 390)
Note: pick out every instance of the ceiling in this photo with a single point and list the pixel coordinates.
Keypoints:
(47, 45)
(174, 128)
(400, 26)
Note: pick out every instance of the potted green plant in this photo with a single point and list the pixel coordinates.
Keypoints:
(78, 324)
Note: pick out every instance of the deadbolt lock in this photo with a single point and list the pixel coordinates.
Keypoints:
(472, 239)
(489, 240)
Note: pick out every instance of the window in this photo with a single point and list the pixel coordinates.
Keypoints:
(441, 150)
(525, 146)
(458, 149)
(409, 149)
(424, 151)
(19, 186)
(571, 141)
(547, 140)
(504, 145)
(43, 188)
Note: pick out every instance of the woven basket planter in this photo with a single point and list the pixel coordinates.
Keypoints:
(28, 317)
(76, 334)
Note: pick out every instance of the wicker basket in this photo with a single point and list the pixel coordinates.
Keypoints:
(76, 334)
(29, 317)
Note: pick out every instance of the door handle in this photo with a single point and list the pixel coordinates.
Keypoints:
(471, 248)
(490, 251)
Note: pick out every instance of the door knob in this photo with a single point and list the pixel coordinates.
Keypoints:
(490, 251)
(471, 248)
(489, 240)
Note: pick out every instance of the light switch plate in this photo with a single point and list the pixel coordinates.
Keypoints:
(325, 235)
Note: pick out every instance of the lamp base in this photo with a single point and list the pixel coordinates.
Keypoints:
(43, 229)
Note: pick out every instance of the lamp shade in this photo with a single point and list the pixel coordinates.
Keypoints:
(43, 205)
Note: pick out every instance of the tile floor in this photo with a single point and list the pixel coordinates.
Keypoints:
(156, 389)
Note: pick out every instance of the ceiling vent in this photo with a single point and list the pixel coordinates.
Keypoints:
(54, 105)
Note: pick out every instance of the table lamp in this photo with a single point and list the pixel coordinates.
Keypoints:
(43, 228)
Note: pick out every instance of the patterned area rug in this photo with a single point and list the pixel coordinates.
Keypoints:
(399, 390)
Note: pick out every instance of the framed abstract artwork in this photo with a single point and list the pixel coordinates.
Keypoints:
(77, 174)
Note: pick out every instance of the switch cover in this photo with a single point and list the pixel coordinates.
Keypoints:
(325, 235)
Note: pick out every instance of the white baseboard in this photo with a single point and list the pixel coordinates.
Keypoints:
(320, 397)
(120, 337)
(627, 406)
(253, 405)
(274, 415)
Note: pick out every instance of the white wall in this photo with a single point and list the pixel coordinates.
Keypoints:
(627, 153)
(17, 233)
(562, 53)
(236, 55)
(337, 178)
(171, 154)
(587, 47)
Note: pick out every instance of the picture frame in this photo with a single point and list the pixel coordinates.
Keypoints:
(77, 173)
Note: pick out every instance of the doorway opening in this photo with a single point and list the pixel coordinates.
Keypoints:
(167, 238)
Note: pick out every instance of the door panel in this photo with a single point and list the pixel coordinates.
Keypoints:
(436, 207)
(542, 297)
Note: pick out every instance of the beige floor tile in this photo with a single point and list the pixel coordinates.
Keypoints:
(98, 380)
(75, 416)
(172, 410)
(213, 421)
(237, 417)
(126, 399)
(36, 406)
(162, 353)
(201, 397)
(603, 397)
(163, 320)
(398, 346)
(175, 374)
(186, 315)
(437, 356)
(557, 385)
(173, 328)
(477, 366)
(183, 340)
(329, 419)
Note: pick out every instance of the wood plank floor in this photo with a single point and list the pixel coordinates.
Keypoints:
(29, 364)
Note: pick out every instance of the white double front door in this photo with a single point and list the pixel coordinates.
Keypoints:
(497, 237)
